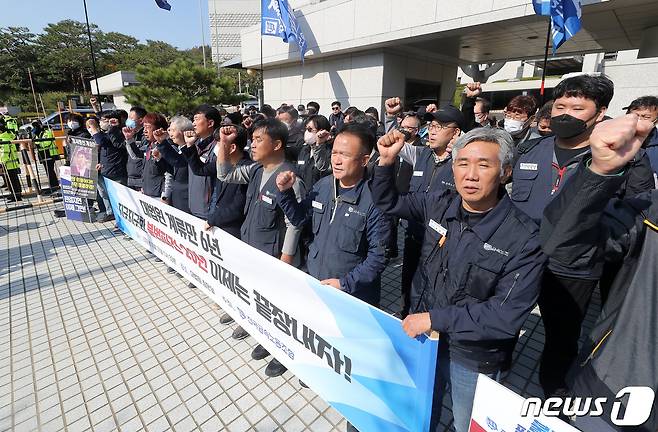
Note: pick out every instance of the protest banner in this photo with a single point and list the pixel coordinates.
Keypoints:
(354, 356)
(76, 207)
(497, 408)
(84, 158)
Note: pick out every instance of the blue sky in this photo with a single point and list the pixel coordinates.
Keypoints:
(142, 19)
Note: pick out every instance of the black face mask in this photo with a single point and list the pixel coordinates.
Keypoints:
(566, 126)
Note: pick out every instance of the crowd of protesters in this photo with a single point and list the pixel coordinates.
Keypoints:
(469, 192)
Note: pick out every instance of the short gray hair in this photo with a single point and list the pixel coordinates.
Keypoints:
(182, 123)
(492, 135)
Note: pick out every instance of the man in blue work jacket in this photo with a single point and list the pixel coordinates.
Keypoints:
(480, 265)
(350, 234)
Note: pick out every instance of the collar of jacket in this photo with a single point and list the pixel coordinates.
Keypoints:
(652, 139)
(352, 195)
(490, 223)
(203, 144)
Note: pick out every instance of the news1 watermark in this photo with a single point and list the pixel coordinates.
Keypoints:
(637, 410)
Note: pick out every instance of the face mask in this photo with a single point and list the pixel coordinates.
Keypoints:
(513, 126)
(104, 124)
(132, 124)
(480, 118)
(310, 138)
(545, 133)
(73, 125)
(566, 126)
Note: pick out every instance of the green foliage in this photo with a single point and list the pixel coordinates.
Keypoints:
(179, 88)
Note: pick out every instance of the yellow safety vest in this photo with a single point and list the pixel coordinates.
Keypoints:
(8, 152)
(48, 145)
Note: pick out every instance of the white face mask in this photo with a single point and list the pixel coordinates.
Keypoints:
(310, 138)
(73, 125)
(513, 126)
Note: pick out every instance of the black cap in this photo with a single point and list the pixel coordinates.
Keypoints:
(448, 114)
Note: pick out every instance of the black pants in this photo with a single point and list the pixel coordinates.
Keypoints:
(410, 262)
(563, 304)
(14, 183)
(48, 163)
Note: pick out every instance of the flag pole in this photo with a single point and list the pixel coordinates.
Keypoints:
(261, 96)
(542, 95)
(203, 34)
(91, 49)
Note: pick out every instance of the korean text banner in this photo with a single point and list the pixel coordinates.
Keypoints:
(84, 158)
(354, 356)
(497, 408)
(76, 207)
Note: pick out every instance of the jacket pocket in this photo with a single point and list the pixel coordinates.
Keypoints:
(522, 184)
(351, 232)
(267, 215)
(318, 213)
(481, 282)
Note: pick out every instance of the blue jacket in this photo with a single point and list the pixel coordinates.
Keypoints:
(350, 236)
(428, 175)
(478, 283)
(112, 154)
(537, 179)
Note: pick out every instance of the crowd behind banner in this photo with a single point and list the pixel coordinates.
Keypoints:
(328, 195)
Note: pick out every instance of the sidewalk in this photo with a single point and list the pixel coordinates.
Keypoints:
(98, 336)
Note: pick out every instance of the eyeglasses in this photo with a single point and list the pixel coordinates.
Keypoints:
(437, 126)
(411, 129)
(516, 115)
(648, 117)
(335, 108)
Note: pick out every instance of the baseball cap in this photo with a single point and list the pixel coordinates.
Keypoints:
(447, 114)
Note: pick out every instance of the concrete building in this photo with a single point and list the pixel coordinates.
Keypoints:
(113, 85)
(364, 51)
(227, 19)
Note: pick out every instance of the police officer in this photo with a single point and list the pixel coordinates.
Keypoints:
(481, 262)
(48, 152)
(542, 169)
(350, 234)
(10, 163)
(432, 170)
(265, 226)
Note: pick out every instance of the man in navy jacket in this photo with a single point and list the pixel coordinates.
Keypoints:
(480, 265)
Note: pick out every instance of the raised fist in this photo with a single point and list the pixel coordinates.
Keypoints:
(228, 134)
(431, 108)
(190, 138)
(389, 147)
(285, 180)
(615, 142)
(160, 135)
(393, 106)
(322, 136)
(473, 90)
(128, 133)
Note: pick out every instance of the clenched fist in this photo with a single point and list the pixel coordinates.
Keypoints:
(160, 135)
(393, 106)
(285, 180)
(128, 133)
(473, 90)
(190, 138)
(322, 136)
(615, 142)
(389, 147)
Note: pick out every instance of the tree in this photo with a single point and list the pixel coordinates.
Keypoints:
(179, 88)
(17, 53)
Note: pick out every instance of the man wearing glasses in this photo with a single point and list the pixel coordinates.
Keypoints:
(336, 118)
(432, 171)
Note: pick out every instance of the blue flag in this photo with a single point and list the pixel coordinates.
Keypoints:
(542, 7)
(565, 15)
(278, 20)
(163, 4)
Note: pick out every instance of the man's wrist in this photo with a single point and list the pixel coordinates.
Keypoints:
(592, 166)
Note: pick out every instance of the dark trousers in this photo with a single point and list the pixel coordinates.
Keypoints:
(410, 262)
(49, 165)
(563, 304)
(14, 183)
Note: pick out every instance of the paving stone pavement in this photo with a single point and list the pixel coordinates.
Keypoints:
(96, 335)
